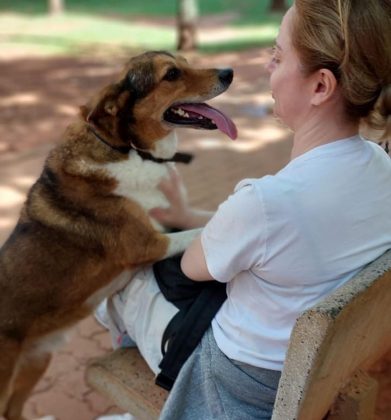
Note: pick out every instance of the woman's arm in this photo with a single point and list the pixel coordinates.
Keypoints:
(193, 263)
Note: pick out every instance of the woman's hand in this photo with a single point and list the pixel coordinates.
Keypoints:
(179, 214)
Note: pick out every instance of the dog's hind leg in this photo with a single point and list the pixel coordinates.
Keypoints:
(31, 368)
(9, 354)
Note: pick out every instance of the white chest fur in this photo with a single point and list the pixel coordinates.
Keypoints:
(138, 179)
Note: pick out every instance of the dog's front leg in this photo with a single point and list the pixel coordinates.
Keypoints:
(179, 241)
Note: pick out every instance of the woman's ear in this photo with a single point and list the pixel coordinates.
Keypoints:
(325, 85)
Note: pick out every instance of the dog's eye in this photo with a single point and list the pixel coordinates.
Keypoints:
(172, 74)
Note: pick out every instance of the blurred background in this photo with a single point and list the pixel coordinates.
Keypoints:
(54, 54)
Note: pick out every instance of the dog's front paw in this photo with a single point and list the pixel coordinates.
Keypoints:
(179, 241)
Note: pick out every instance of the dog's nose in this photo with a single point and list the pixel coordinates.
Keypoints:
(226, 76)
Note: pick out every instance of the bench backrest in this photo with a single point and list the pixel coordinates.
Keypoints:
(351, 329)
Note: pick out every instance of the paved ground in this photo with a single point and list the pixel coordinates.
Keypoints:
(33, 115)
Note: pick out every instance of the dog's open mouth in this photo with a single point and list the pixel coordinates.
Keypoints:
(201, 115)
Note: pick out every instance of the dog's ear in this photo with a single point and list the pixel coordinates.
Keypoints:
(106, 105)
(87, 113)
(111, 108)
(84, 112)
(135, 84)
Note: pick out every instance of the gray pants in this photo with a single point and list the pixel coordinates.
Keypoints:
(212, 386)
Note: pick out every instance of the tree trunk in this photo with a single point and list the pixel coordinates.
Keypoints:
(187, 20)
(56, 6)
(278, 5)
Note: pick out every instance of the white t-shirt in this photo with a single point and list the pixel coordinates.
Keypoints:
(284, 242)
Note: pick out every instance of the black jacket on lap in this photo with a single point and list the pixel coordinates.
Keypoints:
(198, 302)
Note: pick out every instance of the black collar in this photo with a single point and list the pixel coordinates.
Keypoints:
(178, 157)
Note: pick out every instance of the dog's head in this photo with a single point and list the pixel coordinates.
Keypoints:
(157, 92)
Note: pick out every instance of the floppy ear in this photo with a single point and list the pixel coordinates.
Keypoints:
(84, 111)
(111, 108)
(106, 105)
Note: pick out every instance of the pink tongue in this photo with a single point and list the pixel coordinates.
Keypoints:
(224, 124)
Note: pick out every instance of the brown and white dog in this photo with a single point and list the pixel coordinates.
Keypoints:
(85, 220)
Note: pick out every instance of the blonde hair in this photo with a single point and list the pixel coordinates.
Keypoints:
(352, 38)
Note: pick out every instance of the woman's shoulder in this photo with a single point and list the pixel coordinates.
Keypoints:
(265, 189)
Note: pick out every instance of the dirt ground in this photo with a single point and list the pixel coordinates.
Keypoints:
(38, 99)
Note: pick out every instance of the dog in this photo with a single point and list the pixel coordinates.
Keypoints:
(85, 221)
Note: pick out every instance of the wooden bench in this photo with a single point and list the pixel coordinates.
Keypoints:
(331, 348)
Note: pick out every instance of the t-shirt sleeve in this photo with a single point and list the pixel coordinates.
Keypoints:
(234, 239)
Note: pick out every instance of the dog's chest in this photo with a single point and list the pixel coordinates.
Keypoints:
(138, 181)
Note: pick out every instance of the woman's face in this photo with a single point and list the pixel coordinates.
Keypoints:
(290, 88)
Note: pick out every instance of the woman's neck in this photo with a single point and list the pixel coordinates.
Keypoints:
(316, 133)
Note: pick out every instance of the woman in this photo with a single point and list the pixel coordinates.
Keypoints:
(282, 243)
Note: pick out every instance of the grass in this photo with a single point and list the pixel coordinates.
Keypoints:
(72, 32)
(101, 25)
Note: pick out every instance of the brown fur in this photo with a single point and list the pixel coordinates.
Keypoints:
(74, 235)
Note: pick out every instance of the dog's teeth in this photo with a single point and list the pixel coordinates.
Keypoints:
(180, 112)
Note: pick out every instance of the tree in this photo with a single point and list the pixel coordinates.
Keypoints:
(187, 19)
(278, 5)
(56, 6)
